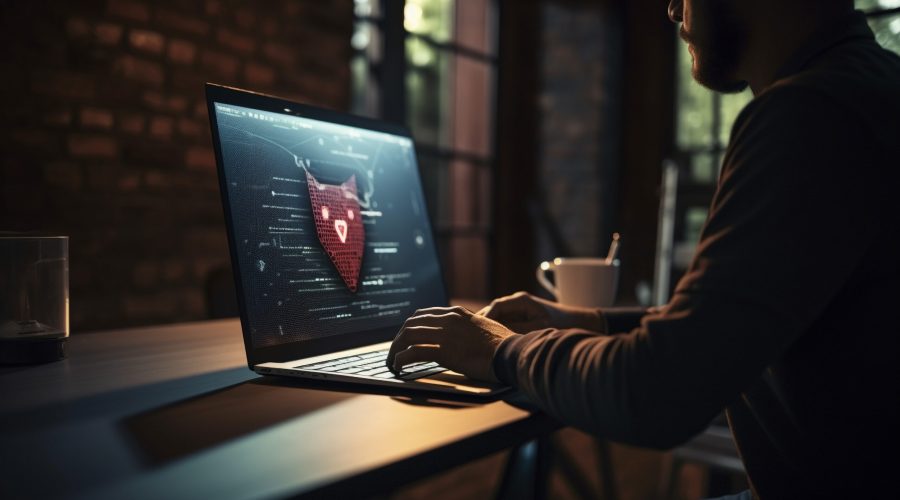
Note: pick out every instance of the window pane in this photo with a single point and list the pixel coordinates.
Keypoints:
(868, 5)
(428, 92)
(364, 88)
(887, 31)
(731, 106)
(364, 91)
(433, 18)
(695, 112)
(704, 168)
(694, 218)
(366, 8)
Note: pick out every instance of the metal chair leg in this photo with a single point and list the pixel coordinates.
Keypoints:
(527, 471)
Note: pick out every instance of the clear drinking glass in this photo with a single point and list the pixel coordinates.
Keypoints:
(34, 288)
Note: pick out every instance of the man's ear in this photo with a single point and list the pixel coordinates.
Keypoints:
(676, 11)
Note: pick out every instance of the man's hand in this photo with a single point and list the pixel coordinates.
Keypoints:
(454, 337)
(523, 312)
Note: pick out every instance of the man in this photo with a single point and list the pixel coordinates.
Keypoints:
(784, 318)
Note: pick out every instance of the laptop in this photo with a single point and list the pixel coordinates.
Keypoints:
(330, 241)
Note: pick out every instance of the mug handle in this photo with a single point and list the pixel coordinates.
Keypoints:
(541, 275)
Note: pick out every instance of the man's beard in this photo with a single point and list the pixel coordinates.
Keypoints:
(716, 56)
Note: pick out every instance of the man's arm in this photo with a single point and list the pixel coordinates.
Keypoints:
(791, 219)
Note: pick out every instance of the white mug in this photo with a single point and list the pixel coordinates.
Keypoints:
(586, 282)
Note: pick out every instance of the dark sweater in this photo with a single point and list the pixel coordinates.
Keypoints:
(786, 315)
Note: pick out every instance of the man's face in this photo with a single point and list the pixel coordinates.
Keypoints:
(716, 38)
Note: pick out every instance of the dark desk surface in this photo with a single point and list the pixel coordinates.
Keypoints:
(173, 411)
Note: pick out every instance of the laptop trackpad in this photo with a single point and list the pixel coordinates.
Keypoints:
(460, 382)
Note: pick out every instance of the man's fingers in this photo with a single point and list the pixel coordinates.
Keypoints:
(441, 311)
(415, 354)
(506, 308)
(411, 335)
(430, 319)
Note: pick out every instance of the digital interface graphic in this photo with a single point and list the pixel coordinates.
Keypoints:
(339, 225)
(329, 222)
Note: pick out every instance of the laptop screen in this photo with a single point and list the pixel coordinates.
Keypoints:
(329, 227)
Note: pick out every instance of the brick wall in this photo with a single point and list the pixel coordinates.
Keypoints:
(580, 157)
(105, 135)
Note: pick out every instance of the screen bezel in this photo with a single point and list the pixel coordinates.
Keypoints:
(313, 347)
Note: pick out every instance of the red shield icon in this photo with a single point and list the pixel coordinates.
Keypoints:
(339, 225)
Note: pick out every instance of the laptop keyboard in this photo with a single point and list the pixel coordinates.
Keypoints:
(372, 364)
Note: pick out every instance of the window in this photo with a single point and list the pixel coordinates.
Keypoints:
(884, 19)
(703, 125)
(448, 77)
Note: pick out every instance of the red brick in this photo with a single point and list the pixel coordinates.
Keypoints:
(141, 70)
(147, 41)
(77, 27)
(258, 74)
(213, 7)
(269, 27)
(96, 118)
(108, 33)
(188, 80)
(182, 23)
(145, 274)
(63, 174)
(182, 51)
(205, 240)
(279, 53)
(132, 123)
(161, 127)
(63, 84)
(96, 146)
(193, 302)
(159, 305)
(188, 127)
(129, 182)
(223, 64)
(245, 18)
(175, 271)
(200, 111)
(102, 176)
(160, 102)
(177, 103)
(198, 158)
(155, 179)
(129, 10)
(58, 117)
(292, 9)
(154, 100)
(35, 139)
(233, 41)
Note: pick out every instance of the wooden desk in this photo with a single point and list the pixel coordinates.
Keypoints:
(174, 412)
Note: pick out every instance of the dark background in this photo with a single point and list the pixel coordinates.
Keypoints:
(105, 136)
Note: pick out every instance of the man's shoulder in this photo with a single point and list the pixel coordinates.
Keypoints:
(854, 86)
(790, 110)
(854, 93)
(856, 66)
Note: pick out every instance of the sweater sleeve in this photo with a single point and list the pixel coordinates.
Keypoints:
(768, 264)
